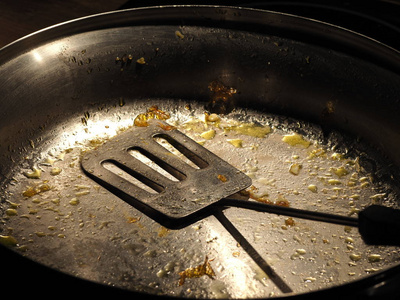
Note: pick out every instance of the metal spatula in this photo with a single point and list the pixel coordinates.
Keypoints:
(185, 192)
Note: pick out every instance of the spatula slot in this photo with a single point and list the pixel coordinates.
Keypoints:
(157, 164)
(133, 177)
(176, 148)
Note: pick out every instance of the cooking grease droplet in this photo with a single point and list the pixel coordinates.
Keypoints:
(355, 257)
(55, 171)
(11, 212)
(8, 240)
(179, 34)
(312, 188)
(296, 139)
(295, 168)
(34, 174)
(374, 258)
(74, 201)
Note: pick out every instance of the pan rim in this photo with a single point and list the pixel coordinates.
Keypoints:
(310, 30)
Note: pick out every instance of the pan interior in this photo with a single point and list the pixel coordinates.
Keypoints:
(54, 214)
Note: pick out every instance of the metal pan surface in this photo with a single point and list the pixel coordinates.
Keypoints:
(307, 109)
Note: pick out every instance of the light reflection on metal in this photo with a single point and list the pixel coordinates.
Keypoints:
(37, 56)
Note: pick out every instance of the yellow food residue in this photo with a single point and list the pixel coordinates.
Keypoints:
(141, 61)
(317, 153)
(204, 269)
(341, 171)
(208, 135)
(282, 201)
(289, 222)
(250, 129)
(11, 212)
(237, 143)
(313, 188)
(211, 117)
(8, 240)
(251, 193)
(34, 174)
(337, 156)
(166, 127)
(334, 182)
(55, 171)
(36, 189)
(132, 220)
(163, 231)
(179, 34)
(222, 178)
(152, 113)
(295, 168)
(296, 139)
(74, 201)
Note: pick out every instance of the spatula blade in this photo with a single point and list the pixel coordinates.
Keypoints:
(194, 188)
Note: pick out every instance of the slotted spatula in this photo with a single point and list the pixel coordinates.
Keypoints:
(194, 189)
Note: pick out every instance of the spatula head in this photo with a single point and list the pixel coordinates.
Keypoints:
(180, 189)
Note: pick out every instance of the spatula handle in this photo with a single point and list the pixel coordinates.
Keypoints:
(291, 212)
(380, 225)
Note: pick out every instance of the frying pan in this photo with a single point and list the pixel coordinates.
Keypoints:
(62, 84)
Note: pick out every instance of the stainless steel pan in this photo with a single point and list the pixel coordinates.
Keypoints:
(69, 87)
